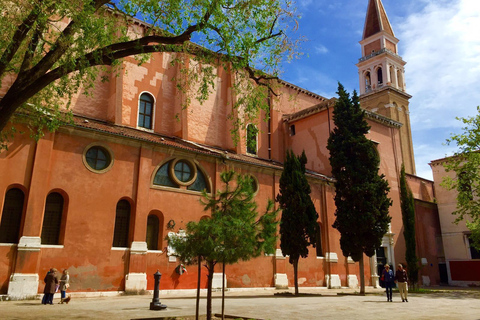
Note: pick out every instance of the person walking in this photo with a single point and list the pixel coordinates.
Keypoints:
(51, 282)
(64, 284)
(401, 280)
(388, 278)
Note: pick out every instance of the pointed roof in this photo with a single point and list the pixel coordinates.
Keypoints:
(376, 20)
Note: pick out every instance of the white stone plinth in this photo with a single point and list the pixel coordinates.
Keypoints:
(29, 244)
(23, 286)
(331, 257)
(138, 247)
(136, 282)
(281, 281)
(217, 281)
(333, 282)
(426, 281)
(352, 281)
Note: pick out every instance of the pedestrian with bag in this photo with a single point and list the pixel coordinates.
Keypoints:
(389, 280)
(64, 284)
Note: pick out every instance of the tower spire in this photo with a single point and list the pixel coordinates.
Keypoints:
(376, 20)
(381, 72)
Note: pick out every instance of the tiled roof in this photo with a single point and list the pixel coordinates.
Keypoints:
(330, 104)
(90, 124)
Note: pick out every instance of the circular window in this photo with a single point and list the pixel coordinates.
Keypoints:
(183, 172)
(97, 158)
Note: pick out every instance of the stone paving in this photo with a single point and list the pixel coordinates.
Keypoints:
(261, 304)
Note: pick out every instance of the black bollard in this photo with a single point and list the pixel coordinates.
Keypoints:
(156, 304)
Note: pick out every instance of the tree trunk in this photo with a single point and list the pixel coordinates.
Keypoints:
(198, 287)
(210, 267)
(223, 290)
(362, 277)
(295, 272)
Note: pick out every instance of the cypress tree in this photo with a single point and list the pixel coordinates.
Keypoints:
(299, 218)
(408, 217)
(361, 193)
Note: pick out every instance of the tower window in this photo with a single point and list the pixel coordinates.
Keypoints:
(380, 76)
(292, 130)
(368, 82)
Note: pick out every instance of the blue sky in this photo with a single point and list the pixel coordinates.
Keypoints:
(439, 40)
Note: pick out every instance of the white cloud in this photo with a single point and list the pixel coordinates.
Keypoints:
(441, 45)
(321, 49)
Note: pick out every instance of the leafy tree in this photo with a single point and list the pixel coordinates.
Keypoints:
(465, 163)
(233, 232)
(361, 193)
(49, 49)
(408, 217)
(299, 218)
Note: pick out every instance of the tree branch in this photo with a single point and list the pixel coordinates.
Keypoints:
(18, 38)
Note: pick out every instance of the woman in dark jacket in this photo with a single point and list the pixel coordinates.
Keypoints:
(51, 282)
(389, 280)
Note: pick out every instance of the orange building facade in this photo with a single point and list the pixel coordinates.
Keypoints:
(100, 196)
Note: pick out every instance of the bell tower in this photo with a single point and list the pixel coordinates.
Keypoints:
(381, 71)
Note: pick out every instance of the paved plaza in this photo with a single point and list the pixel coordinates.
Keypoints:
(261, 304)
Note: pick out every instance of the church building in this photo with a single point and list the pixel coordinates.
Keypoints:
(100, 195)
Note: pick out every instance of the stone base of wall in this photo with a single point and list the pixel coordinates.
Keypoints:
(23, 286)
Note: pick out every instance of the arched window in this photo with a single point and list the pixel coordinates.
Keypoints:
(122, 224)
(181, 173)
(252, 139)
(380, 75)
(52, 219)
(318, 243)
(200, 183)
(152, 232)
(393, 79)
(11, 216)
(368, 82)
(145, 111)
(399, 79)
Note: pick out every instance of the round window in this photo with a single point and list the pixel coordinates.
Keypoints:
(183, 172)
(97, 158)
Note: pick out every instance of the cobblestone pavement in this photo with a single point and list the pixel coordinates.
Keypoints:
(261, 304)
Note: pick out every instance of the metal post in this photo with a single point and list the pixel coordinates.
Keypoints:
(156, 304)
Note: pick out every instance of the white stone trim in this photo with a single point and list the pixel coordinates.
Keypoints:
(8, 244)
(136, 282)
(350, 260)
(333, 282)
(331, 257)
(217, 280)
(279, 254)
(138, 247)
(29, 243)
(119, 248)
(352, 281)
(23, 285)
(53, 246)
(281, 281)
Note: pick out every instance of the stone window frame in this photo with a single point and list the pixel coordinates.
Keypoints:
(101, 146)
(182, 186)
(153, 111)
